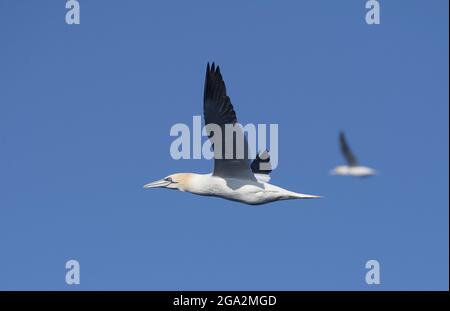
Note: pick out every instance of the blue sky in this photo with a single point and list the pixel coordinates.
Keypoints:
(85, 114)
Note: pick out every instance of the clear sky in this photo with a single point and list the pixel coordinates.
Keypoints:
(85, 114)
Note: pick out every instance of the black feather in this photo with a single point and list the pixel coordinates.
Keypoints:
(346, 152)
(256, 166)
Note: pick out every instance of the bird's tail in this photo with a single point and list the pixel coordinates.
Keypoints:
(295, 195)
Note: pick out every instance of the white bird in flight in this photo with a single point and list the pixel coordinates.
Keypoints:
(236, 179)
(353, 168)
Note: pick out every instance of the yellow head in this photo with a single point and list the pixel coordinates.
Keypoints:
(178, 181)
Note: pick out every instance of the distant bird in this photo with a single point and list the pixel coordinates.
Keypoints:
(234, 178)
(353, 168)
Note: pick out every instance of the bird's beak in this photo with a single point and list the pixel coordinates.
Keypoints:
(157, 184)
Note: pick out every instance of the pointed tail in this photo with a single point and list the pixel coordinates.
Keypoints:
(295, 195)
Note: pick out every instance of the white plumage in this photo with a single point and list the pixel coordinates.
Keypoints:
(235, 189)
(233, 179)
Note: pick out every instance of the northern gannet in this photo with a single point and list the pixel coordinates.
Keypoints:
(352, 169)
(235, 178)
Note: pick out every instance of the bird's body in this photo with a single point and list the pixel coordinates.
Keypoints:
(353, 168)
(235, 178)
(252, 192)
(357, 171)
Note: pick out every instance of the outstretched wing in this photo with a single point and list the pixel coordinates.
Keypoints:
(218, 111)
(346, 152)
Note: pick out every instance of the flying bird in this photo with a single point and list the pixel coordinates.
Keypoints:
(352, 168)
(235, 178)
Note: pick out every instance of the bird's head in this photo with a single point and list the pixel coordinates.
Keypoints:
(178, 181)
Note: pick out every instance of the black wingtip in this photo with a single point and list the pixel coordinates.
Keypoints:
(213, 68)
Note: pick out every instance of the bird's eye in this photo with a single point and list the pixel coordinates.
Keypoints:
(169, 179)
